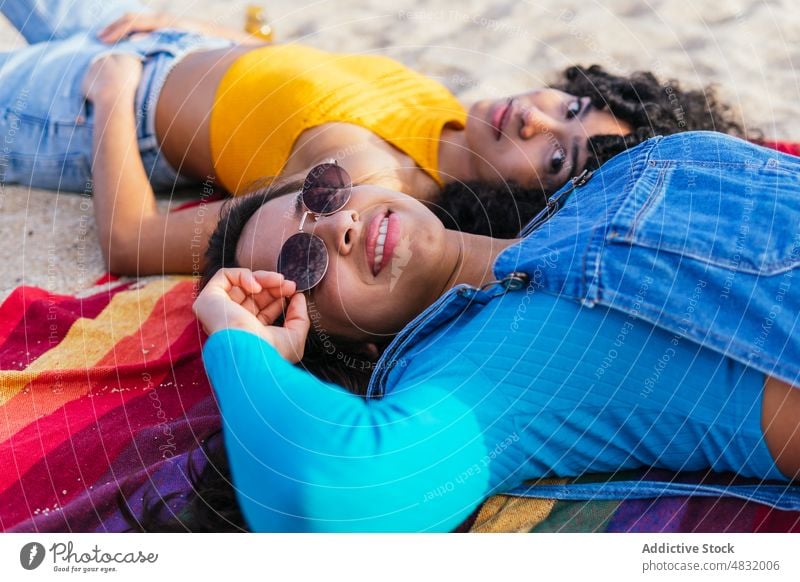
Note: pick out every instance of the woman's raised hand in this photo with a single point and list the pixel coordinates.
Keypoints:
(252, 301)
(144, 22)
(133, 22)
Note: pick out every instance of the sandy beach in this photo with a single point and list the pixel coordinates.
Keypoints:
(476, 48)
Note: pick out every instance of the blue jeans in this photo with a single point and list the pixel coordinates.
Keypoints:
(45, 123)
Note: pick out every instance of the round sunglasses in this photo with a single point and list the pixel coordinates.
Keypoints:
(304, 257)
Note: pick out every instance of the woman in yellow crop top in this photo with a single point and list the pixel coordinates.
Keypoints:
(230, 112)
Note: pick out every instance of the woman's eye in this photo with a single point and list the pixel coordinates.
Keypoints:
(573, 109)
(557, 161)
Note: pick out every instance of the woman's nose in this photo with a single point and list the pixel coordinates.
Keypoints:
(339, 231)
(536, 122)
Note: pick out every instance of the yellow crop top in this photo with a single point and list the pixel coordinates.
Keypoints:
(269, 96)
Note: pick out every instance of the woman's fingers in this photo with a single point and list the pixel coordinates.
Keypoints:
(260, 292)
(271, 312)
(297, 319)
(236, 294)
(272, 295)
(268, 278)
(117, 29)
(235, 298)
(241, 279)
(130, 23)
(290, 340)
(251, 281)
(272, 280)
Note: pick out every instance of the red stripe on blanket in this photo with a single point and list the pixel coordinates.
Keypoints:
(44, 321)
(107, 278)
(767, 519)
(12, 312)
(215, 197)
(13, 308)
(786, 147)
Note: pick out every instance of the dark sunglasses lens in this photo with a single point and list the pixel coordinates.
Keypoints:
(304, 260)
(326, 189)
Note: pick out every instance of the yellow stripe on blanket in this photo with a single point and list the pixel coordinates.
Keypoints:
(506, 513)
(88, 340)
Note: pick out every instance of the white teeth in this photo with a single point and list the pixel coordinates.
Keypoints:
(384, 227)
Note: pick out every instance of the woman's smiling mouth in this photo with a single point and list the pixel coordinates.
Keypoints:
(381, 240)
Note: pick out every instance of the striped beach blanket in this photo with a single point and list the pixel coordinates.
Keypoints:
(101, 395)
(104, 396)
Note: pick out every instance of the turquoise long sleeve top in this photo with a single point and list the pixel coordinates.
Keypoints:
(498, 395)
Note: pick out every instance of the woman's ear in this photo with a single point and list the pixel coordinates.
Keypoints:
(368, 350)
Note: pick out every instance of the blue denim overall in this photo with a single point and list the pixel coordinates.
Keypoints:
(697, 233)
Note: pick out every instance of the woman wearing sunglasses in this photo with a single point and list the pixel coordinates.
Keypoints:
(213, 106)
(650, 321)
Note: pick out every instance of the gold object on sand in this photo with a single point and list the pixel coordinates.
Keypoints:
(256, 23)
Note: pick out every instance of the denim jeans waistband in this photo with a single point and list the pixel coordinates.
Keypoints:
(160, 58)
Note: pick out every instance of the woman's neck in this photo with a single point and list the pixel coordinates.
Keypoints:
(472, 258)
(455, 157)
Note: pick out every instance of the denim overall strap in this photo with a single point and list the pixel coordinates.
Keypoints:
(392, 362)
(777, 496)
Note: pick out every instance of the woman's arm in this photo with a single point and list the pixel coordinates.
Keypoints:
(136, 239)
(309, 456)
(133, 22)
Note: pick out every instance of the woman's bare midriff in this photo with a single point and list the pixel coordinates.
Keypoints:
(183, 111)
(183, 115)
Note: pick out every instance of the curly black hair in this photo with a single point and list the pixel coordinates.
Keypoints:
(649, 106)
